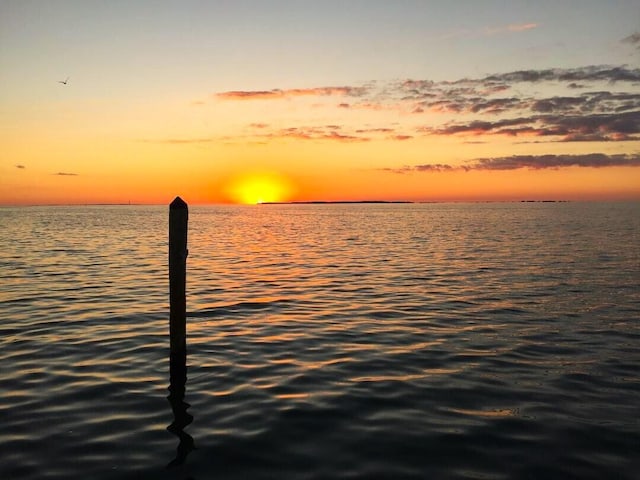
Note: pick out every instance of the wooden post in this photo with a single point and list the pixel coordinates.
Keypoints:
(178, 219)
(181, 418)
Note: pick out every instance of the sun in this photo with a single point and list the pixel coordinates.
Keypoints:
(255, 188)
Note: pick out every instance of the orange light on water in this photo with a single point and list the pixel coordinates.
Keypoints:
(257, 188)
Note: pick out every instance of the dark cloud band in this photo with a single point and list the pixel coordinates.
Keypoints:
(533, 162)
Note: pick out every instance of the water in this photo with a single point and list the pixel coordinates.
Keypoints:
(450, 341)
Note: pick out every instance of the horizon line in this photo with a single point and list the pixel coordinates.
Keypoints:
(317, 202)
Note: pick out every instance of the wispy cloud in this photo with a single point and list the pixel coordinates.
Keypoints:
(539, 162)
(250, 95)
(521, 27)
(490, 31)
(65, 174)
(532, 162)
(506, 94)
(295, 92)
(180, 141)
(589, 74)
(633, 39)
(516, 27)
(401, 137)
(325, 132)
(594, 127)
(261, 133)
(493, 94)
(427, 167)
(596, 103)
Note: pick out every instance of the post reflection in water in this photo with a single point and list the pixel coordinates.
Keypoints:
(181, 419)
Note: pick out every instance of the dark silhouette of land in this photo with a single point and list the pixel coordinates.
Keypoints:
(328, 202)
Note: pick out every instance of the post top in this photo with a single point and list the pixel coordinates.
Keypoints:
(178, 203)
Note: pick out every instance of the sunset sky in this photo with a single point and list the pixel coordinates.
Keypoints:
(245, 101)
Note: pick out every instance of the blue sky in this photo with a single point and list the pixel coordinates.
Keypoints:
(138, 46)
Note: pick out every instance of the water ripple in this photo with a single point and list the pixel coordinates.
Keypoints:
(394, 341)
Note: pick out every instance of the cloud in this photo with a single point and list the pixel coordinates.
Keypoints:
(495, 105)
(21, 167)
(489, 31)
(555, 104)
(596, 103)
(250, 95)
(582, 74)
(295, 92)
(478, 127)
(485, 96)
(317, 133)
(595, 127)
(513, 28)
(179, 141)
(465, 90)
(429, 167)
(633, 39)
(401, 137)
(376, 130)
(588, 102)
(539, 162)
(494, 94)
(65, 174)
(330, 132)
(521, 27)
(624, 123)
(533, 162)
(327, 91)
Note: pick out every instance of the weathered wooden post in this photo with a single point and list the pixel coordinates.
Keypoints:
(178, 220)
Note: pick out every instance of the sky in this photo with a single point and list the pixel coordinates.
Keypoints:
(255, 101)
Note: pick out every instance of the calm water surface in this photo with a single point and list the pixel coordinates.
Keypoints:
(454, 341)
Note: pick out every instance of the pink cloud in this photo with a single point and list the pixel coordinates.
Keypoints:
(347, 91)
(514, 27)
(521, 27)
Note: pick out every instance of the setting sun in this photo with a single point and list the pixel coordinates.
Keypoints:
(257, 188)
(286, 117)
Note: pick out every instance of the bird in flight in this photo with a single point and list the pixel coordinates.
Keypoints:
(64, 82)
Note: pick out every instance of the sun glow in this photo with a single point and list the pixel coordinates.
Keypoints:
(257, 188)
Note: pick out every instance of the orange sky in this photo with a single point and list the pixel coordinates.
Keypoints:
(134, 126)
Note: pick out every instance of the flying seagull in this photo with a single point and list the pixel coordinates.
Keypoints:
(64, 82)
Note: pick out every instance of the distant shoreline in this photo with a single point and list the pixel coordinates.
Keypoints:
(338, 202)
(332, 202)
